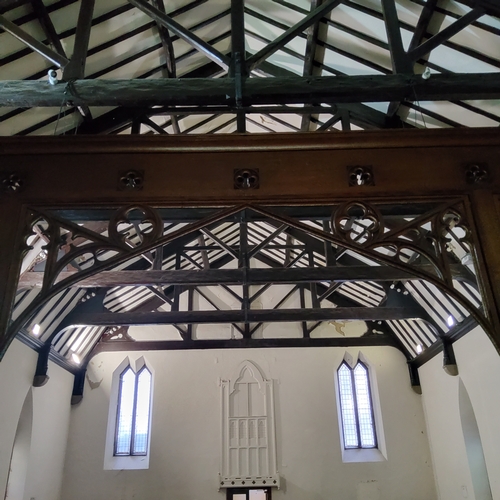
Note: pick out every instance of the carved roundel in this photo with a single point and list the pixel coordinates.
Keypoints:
(357, 222)
(146, 222)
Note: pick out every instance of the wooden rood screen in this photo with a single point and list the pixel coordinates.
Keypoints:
(320, 212)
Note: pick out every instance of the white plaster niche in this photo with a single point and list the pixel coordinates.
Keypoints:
(248, 438)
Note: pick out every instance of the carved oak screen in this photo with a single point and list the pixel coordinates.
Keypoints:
(248, 430)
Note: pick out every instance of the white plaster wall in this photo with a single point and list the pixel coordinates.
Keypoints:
(51, 410)
(479, 370)
(185, 444)
(440, 399)
(16, 375)
(51, 414)
(479, 366)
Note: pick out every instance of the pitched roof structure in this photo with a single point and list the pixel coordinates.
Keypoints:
(410, 63)
(200, 67)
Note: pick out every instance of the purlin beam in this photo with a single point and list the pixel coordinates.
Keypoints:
(361, 114)
(284, 90)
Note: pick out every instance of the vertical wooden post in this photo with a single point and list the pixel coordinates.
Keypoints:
(10, 264)
(487, 223)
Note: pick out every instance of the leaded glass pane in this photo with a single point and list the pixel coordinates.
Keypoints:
(125, 413)
(141, 430)
(347, 406)
(365, 413)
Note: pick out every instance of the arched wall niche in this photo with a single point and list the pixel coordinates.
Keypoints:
(19, 461)
(248, 437)
(473, 445)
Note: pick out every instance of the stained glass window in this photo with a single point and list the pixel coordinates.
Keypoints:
(356, 406)
(132, 418)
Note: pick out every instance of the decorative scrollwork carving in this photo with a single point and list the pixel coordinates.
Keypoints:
(246, 178)
(357, 222)
(477, 173)
(147, 223)
(360, 176)
(73, 247)
(132, 180)
(12, 183)
(433, 240)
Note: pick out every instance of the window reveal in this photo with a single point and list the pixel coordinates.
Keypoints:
(132, 420)
(356, 406)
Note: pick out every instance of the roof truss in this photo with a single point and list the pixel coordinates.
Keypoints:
(319, 100)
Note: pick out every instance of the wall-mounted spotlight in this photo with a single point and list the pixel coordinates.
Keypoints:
(52, 74)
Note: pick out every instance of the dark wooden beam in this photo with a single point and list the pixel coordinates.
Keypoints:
(446, 34)
(47, 25)
(400, 61)
(76, 65)
(165, 345)
(238, 69)
(170, 63)
(309, 67)
(220, 91)
(234, 276)
(166, 41)
(247, 316)
(491, 6)
(453, 335)
(120, 117)
(422, 24)
(292, 32)
(361, 114)
(11, 213)
(6, 5)
(32, 43)
(161, 18)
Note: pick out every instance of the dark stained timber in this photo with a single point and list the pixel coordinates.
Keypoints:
(291, 33)
(163, 345)
(183, 33)
(280, 90)
(236, 276)
(247, 316)
(32, 43)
